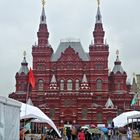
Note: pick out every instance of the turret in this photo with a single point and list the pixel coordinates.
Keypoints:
(42, 51)
(22, 76)
(134, 85)
(118, 76)
(98, 52)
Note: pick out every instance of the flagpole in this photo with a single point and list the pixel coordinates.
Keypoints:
(31, 81)
(27, 96)
(28, 91)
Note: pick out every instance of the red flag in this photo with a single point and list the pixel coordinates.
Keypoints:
(31, 79)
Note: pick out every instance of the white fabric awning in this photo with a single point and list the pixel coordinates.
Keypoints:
(29, 111)
(122, 119)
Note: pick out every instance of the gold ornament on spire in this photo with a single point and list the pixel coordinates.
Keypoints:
(43, 2)
(98, 2)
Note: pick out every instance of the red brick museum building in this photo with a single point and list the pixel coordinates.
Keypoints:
(71, 85)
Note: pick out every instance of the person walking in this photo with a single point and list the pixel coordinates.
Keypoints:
(109, 133)
(73, 132)
(129, 134)
(81, 135)
(68, 133)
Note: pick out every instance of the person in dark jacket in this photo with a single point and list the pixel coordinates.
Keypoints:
(68, 133)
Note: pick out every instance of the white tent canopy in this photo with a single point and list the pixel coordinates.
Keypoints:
(9, 119)
(122, 119)
(29, 111)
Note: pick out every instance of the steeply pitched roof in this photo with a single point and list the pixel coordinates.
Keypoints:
(118, 67)
(109, 103)
(29, 102)
(24, 67)
(84, 80)
(75, 44)
(43, 17)
(98, 16)
(53, 80)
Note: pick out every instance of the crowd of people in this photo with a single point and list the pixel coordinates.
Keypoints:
(73, 133)
(79, 133)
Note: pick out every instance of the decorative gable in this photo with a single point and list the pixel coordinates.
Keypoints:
(109, 103)
(69, 55)
(29, 102)
(84, 84)
(53, 83)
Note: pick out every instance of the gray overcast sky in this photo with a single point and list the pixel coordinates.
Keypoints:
(19, 21)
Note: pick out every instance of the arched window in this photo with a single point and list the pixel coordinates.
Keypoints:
(23, 87)
(99, 85)
(40, 85)
(69, 84)
(119, 86)
(84, 113)
(77, 84)
(61, 84)
(40, 67)
(52, 113)
(99, 117)
(109, 120)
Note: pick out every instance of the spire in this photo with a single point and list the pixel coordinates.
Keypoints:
(84, 80)
(117, 53)
(84, 83)
(98, 16)
(43, 33)
(98, 32)
(43, 17)
(53, 83)
(134, 84)
(117, 65)
(53, 80)
(24, 65)
(29, 102)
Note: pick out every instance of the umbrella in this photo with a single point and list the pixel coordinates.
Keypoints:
(104, 129)
(85, 127)
(92, 126)
(122, 130)
(95, 131)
